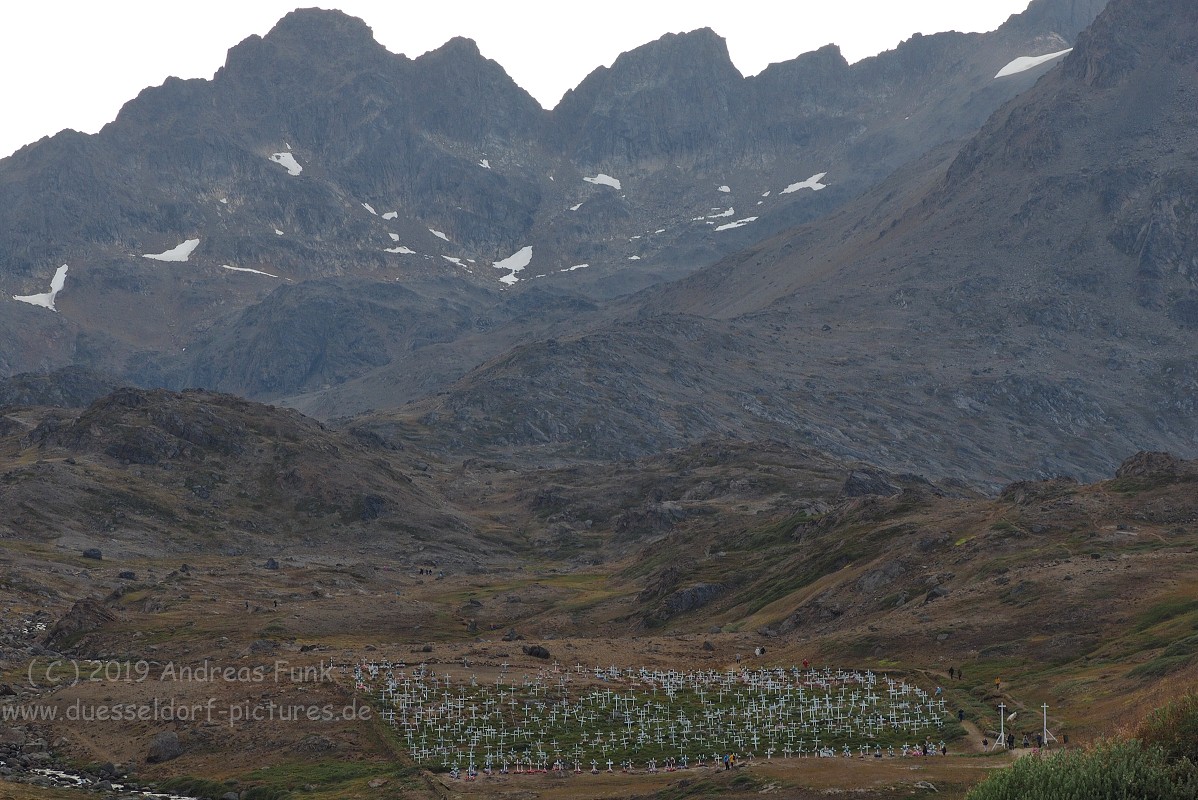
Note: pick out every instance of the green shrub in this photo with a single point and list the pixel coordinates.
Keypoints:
(195, 787)
(264, 793)
(1173, 728)
(1114, 770)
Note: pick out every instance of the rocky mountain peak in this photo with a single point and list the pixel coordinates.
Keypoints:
(677, 54)
(304, 44)
(670, 96)
(1126, 32)
(321, 33)
(1067, 18)
(457, 47)
(474, 87)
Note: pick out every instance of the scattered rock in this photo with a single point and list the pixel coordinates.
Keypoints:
(127, 575)
(271, 564)
(536, 651)
(867, 482)
(314, 743)
(12, 737)
(512, 636)
(708, 646)
(935, 594)
(93, 553)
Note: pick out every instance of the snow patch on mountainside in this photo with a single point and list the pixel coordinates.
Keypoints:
(401, 250)
(571, 269)
(813, 183)
(484, 163)
(46, 299)
(603, 179)
(514, 263)
(247, 269)
(725, 213)
(177, 253)
(438, 234)
(724, 189)
(288, 162)
(740, 223)
(391, 215)
(1024, 63)
(370, 208)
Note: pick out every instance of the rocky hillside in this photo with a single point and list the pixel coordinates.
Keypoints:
(1017, 306)
(143, 473)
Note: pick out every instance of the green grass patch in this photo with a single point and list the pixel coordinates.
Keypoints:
(1160, 666)
(1183, 647)
(1162, 612)
(324, 775)
(1139, 484)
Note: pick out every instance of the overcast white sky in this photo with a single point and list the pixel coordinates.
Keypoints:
(74, 63)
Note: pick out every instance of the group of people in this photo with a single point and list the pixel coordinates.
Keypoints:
(1009, 741)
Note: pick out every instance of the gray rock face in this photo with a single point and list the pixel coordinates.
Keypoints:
(866, 482)
(69, 387)
(1034, 319)
(685, 600)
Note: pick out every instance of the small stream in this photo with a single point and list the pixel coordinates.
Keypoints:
(73, 780)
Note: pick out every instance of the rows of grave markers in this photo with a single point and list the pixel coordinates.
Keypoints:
(613, 717)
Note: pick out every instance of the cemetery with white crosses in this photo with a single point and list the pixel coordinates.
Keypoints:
(606, 719)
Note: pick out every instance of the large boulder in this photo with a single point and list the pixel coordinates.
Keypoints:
(86, 616)
(164, 746)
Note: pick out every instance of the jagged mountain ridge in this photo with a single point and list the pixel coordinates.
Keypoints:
(1016, 306)
(468, 164)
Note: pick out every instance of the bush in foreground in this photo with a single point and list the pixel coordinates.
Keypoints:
(1113, 770)
(1173, 727)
